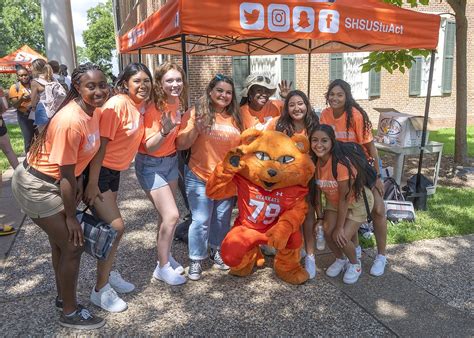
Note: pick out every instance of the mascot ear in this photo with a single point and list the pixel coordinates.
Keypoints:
(301, 143)
(250, 135)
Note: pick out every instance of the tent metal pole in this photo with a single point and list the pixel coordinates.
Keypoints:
(420, 199)
(140, 55)
(309, 71)
(184, 55)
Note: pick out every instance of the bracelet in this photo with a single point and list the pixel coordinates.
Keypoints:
(163, 134)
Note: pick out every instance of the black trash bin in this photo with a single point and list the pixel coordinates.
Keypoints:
(417, 198)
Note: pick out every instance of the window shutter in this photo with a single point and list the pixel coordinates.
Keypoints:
(336, 67)
(288, 69)
(448, 62)
(415, 77)
(374, 83)
(240, 71)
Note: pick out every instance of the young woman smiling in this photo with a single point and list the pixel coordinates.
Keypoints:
(156, 164)
(121, 131)
(210, 129)
(48, 186)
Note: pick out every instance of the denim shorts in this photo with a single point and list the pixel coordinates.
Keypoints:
(156, 172)
(41, 118)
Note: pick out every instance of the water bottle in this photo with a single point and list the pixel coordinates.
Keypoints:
(320, 241)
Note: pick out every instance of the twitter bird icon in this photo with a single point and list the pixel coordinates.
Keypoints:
(252, 16)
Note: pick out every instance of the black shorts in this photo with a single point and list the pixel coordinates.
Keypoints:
(3, 127)
(109, 179)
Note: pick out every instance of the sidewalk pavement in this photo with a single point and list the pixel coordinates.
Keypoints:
(427, 289)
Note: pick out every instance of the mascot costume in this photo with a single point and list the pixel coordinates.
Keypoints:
(269, 172)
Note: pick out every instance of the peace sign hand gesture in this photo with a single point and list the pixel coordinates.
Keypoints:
(167, 124)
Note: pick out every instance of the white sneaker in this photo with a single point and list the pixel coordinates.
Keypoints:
(119, 284)
(310, 266)
(358, 252)
(378, 268)
(352, 273)
(107, 299)
(168, 275)
(337, 267)
(178, 268)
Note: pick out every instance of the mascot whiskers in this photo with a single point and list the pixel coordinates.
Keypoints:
(269, 172)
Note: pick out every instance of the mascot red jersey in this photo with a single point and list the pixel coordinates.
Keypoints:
(269, 172)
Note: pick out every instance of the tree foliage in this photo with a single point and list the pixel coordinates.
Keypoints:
(99, 38)
(21, 23)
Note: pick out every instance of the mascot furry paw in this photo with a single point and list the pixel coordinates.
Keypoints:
(269, 172)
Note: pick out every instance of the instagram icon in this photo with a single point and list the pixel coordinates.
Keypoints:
(278, 18)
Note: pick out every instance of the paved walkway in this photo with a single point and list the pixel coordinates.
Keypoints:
(426, 291)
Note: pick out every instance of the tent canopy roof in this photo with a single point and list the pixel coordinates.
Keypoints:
(23, 56)
(260, 27)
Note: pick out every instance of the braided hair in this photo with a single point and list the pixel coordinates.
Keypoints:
(285, 123)
(76, 76)
(344, 154)
(349, 105)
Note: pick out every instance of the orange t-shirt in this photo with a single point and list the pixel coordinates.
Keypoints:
(211, 147)
(13, 94)
(356, 131)
(258, 119)
(271, 125)
(72, 138)
(122, 123)
(152, 124)
(328, 184)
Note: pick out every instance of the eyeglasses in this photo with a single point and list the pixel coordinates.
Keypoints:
(261, 78)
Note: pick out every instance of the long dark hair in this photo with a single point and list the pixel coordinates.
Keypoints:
(76, 76)
(285, 123)
(344, 154)
(350, 103)
(130, 70)
(204, 105)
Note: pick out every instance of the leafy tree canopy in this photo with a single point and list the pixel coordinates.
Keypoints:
(99, 38)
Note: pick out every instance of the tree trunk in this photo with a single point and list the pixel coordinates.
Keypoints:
(460, 133)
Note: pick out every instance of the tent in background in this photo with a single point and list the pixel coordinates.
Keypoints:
(23, 56)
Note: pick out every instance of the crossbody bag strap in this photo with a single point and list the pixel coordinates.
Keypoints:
(367, 208)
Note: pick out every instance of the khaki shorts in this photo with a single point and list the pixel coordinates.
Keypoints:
(37, 198)
(357, 211)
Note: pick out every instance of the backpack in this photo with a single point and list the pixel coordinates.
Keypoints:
(55, 95)
(396, 208)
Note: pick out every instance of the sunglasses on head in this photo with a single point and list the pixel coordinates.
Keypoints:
(220, 77)
(261, 78)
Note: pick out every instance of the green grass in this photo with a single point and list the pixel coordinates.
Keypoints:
(450, 212)
(446, 136)
(16, 139)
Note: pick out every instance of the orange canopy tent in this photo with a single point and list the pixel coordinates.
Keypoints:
(259, 27)
(23, 56)
(262, 27)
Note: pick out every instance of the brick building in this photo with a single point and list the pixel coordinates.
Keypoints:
(404, 92)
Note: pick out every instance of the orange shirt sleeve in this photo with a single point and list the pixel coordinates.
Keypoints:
(343, 172)
(110, 121)
(187, 122)
(65, 148)
(151, 122)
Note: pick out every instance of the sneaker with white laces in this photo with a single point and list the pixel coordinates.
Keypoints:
(107, 299)
(168, 275)
(81, 319)
(337, 267)
(217, 259)
(310, 265)
(358, 252)
(119, 284)
(195, 270)
(352, 274)
(378, 268)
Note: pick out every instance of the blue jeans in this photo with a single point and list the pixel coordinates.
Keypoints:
(27, 129)
(210, 218)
